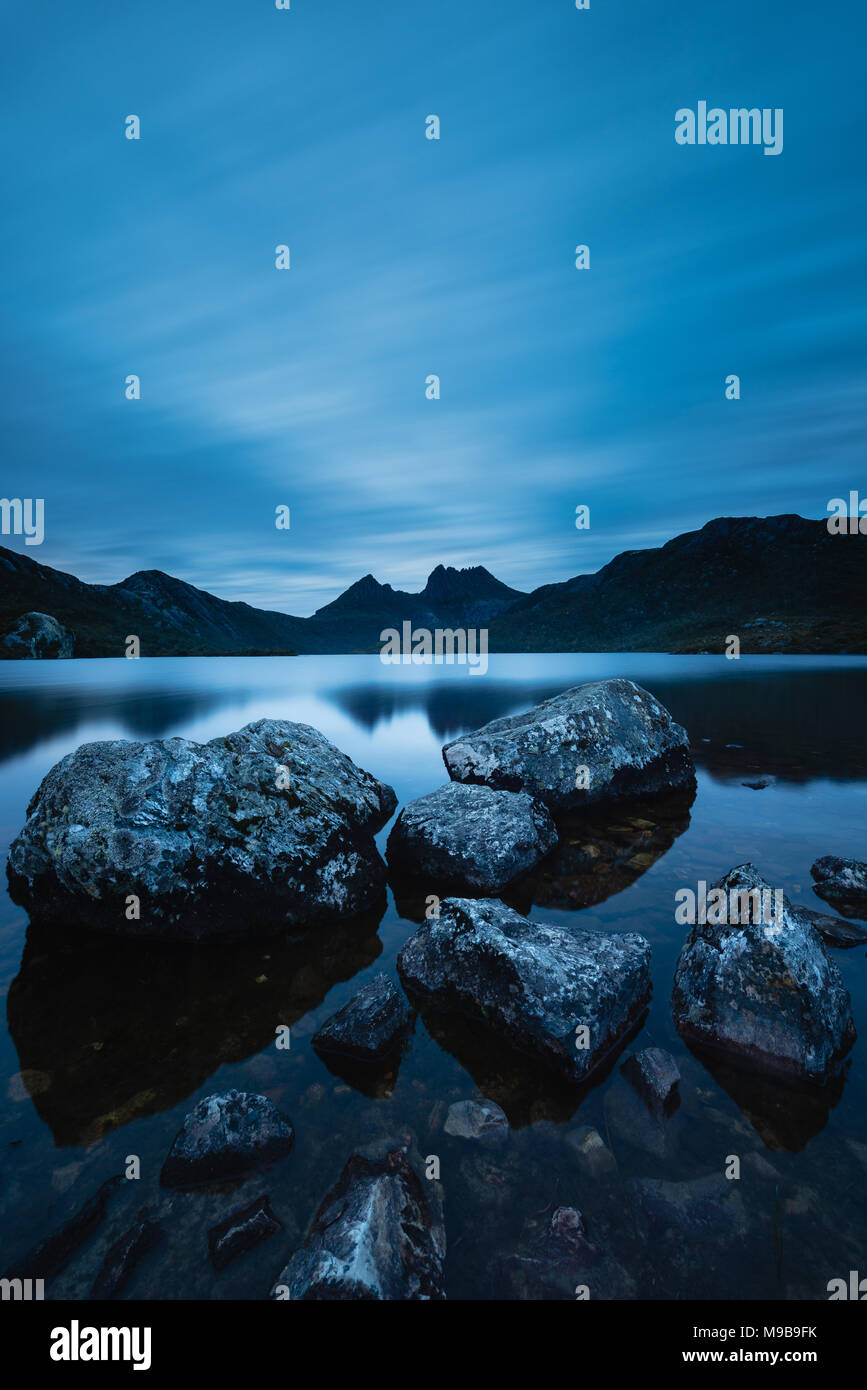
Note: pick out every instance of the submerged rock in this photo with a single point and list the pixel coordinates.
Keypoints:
(226, 1137)
(471, 837)
(477, 1119)
(709, 1207)
(54, 1253)
(374, 1237)
(654, 1075)
(240, 1231)
(627, 741)
(767, 993)
(562, 1262)
(603, 850)
(124, 1255)
(595, 1158)
(534, 983)
(270, 827)
(37, 635)
(374, 1021)
(842, 883)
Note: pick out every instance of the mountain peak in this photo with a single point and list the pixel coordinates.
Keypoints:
(445, 584)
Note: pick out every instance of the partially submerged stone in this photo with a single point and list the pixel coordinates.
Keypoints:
(240, 1231)
(654, 1074)
(565, 997)
(124, 1256)
(765, 992)
(370, 1025)
(835, 931)
(596, 742)
(471, 837)
(842, 883)
(268, 828)
(226, 1137)
(374, 1237)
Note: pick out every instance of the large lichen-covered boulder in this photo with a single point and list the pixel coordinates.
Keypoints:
(269, 828)
(533, 983)
(37, 635)
(470, 837)
(377, 1235)
(597, 742)
(761, 987)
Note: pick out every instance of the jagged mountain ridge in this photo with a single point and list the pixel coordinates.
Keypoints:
(780, 583)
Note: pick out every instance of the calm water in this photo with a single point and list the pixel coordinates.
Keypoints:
(117, 1042)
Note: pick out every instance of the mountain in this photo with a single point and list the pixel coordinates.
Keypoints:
(450, 598)
(779, 583)
(171, 617)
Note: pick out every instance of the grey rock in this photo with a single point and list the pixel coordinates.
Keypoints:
(240, 1231)
(620, 732)
(654, 1075)
(842, 883)
(768, 995)
(374, 1237)
(477, 1119)
(532, 982)
(37, 635)
(471, 836)
(123, 1257)
(226, 1137)
(709, 1207)
(203, 835)
(835, 931)
(370, 1025)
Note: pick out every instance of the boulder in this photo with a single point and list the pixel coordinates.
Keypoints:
(37, 635)
(765, 993)
(533, 983)
(374, 1021)
(842, 883)
(374, 1237)
(620, 733)
(226, 1137)
(482, 1120)
(470, 837)
(266, 829)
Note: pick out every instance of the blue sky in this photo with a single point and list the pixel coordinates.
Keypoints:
(409, 257)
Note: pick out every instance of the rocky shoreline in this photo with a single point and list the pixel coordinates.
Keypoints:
(269, 833)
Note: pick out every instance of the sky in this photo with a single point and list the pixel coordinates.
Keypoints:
(409, 257)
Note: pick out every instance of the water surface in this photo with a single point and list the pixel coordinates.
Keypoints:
(107, 1045)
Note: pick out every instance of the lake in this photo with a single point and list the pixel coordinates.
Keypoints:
(107, 1044)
